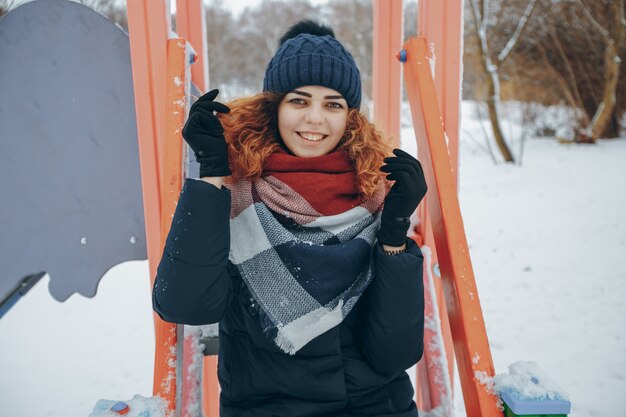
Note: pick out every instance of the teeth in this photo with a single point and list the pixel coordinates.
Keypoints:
(311, 136)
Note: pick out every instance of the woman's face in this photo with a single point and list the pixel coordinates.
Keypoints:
(312, 120)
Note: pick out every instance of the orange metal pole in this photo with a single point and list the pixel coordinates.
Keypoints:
(433, 376)
(441, 23)
(386, 71)
(147, 45)
(430, 26)
(191, 25)
(175, 109)
(173, 168)
(149, 27)
(468, 328)
(148, 31)
(177, 88)
(211, 397)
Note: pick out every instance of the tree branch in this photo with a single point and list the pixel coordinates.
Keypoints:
(504, 54)
(593, 21)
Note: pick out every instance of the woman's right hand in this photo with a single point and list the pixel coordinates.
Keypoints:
(205, 135)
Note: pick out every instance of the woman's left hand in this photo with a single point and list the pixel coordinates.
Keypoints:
(403, 198)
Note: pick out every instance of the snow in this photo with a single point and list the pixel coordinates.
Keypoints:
(527, 390)
(138, 406)
(516, 381)
(58, 359)
(547, 240)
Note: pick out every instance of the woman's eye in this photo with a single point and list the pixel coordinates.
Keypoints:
(334, 105)
(297, 101)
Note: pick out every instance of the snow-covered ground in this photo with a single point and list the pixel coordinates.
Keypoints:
(548, 246)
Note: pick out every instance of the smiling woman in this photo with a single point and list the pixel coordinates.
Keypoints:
(312, 120)
(297, 245)
(251, 129)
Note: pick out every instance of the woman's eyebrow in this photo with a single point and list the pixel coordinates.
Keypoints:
(305, 94)
(302, 93)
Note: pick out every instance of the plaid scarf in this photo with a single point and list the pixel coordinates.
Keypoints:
(302, 240)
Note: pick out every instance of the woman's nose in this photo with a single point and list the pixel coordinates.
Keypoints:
(315, 115)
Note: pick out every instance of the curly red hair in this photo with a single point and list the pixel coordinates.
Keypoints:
(251, 131)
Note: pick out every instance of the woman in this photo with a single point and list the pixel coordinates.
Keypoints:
(301, 254)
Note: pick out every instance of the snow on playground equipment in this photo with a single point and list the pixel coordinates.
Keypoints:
(527, 391)
(163, 76)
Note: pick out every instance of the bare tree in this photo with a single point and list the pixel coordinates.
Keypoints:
(613, 37)
(574, 55)
(491, 61)
(240, 46)
(221, 45)
(260, 31)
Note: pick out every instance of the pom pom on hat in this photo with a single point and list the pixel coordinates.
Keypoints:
(306, 26)
(309, 54)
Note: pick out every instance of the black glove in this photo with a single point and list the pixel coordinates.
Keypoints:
(205, 135)
(405, 194)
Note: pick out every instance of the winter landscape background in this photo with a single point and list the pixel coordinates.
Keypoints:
(547, 240)
(547, 233)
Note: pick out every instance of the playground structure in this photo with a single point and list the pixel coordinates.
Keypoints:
(160, 109)
(163, 78)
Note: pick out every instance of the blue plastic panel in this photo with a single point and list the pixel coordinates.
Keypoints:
(521, 407)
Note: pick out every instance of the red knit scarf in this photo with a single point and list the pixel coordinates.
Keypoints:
(327, 182)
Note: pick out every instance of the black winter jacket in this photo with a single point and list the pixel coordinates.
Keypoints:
(354, 369)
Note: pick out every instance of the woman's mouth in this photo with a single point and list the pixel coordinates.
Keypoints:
(311, 137)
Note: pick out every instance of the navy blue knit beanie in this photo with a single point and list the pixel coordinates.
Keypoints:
(309, 54)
